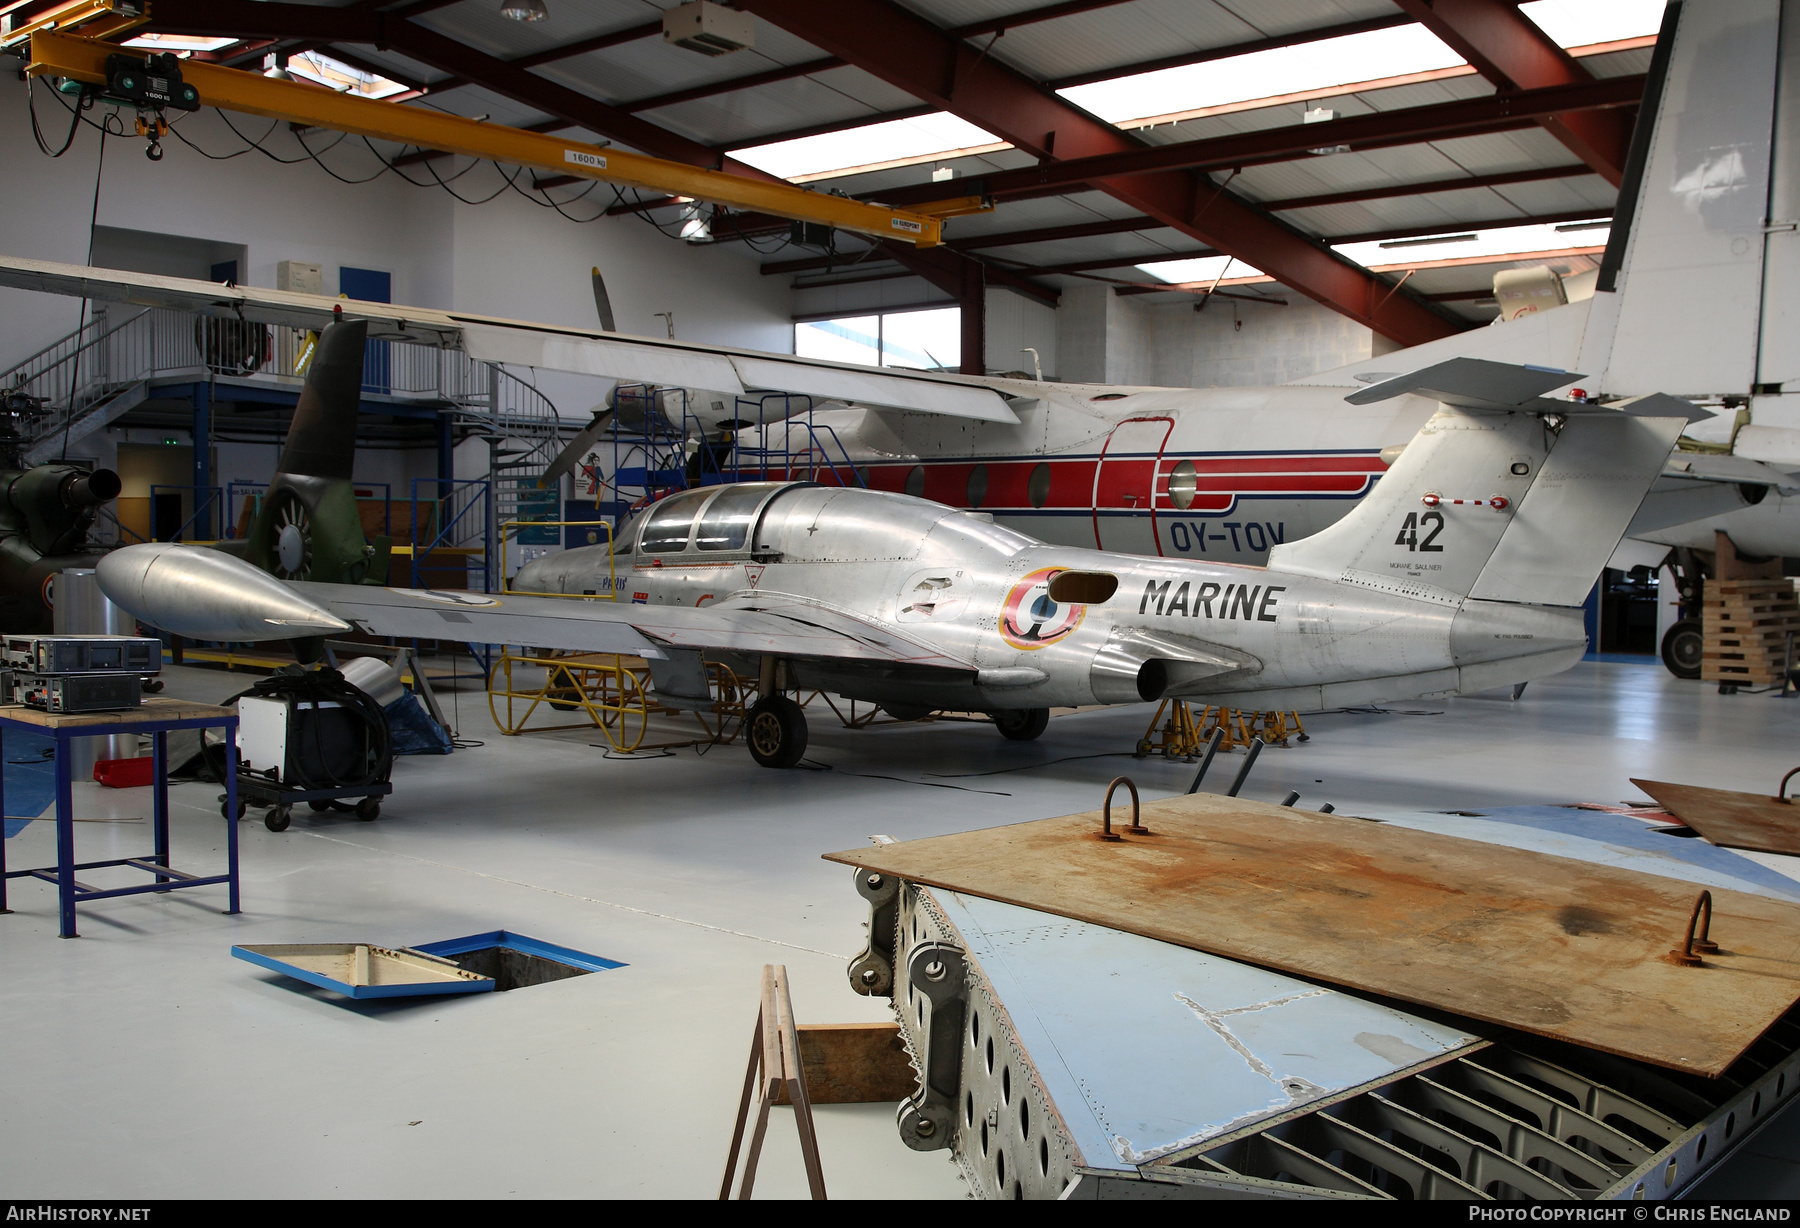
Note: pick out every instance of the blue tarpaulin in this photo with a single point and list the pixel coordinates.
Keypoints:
(413, 730)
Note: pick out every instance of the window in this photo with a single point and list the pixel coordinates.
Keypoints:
(929, 340)
(1184, 484)
(726, 525)
(670, 521)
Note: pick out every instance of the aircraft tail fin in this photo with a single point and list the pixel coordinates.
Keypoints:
(1504, 497)
(321, 440)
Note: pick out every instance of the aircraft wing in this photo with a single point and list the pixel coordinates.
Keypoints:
(792, 629)
(1707, 467)
(491, 339)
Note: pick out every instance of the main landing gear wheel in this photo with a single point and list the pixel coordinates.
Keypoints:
(1681, 648)
(776, 732)
(1022, 724)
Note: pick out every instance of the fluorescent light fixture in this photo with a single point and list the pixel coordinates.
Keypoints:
(1568, 227)
(1500, 241)
(1433, 242)
(524, 10)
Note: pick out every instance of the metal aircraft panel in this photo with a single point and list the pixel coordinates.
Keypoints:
(1576, 498)
(620, 358)
(1548, 945)
(608, 626)
(869, 387)
(1233, 1044)
(1696, 245)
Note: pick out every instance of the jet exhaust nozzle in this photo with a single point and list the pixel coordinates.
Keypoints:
(1137, 665)
(90, 490)
(205, 594)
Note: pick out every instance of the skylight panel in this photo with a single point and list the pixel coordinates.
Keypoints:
(1200, 269)
(323, 70)
(1462, 244)
(1320, 65)
(920, 138)
(178, 42)
(1579, 23)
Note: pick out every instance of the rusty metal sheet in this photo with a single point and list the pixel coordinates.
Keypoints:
(1730, 820)
(1549, 945)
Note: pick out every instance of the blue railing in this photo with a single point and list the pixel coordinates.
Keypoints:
(461, 509)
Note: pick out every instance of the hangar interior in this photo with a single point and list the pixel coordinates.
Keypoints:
(875, 392)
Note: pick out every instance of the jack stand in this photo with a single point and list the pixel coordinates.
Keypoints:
(775, 1048)
(1178, 738)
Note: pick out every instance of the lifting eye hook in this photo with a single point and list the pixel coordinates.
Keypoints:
(1695, 945)
(1106, 828)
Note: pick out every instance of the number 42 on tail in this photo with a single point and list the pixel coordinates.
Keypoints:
(1409, 532)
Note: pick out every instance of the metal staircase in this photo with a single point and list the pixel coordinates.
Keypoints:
(95, 375)
(85, 380)
(521, 428)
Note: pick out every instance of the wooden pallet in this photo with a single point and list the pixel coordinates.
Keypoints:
(1745, 625)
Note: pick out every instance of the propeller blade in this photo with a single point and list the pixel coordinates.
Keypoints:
(570, 456)
(603, 304)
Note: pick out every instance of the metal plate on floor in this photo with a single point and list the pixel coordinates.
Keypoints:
(1731, 820)
(360, 970)
(1545, 944)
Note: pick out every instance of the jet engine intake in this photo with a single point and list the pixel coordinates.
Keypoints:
(1135, 664)
(1083, 587)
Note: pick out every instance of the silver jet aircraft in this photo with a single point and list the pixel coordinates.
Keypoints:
(1464, 570)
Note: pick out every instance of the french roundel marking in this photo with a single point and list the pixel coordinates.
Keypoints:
(1029, 619)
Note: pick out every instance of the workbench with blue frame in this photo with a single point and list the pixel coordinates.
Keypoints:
(157, 716)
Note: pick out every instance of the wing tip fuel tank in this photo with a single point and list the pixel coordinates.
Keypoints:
(205, 594)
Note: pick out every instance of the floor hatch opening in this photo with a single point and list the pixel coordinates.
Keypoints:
(515, 961)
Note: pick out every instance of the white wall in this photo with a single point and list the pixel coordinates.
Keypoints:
(1106, 338)
(1234, 343)
(1014, 322)
(509, 257)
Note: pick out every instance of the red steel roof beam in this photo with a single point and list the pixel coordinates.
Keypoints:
(912, 54)
(1510, 50)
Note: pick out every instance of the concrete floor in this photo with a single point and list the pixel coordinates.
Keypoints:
(143, 1061)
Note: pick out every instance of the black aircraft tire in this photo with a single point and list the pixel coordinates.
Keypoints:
(775, 731)
(1022, 724)
(1681, 648)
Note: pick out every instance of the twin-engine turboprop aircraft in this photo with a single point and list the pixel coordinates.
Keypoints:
(1464, 570)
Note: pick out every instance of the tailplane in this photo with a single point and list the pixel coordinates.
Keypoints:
(1503, 495)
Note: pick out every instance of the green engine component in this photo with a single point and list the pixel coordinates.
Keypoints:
(45, 514)
(308, 527)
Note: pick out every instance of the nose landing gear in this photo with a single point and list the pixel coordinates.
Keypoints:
(776, 732)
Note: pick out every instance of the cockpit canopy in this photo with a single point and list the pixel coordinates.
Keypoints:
(716, 520)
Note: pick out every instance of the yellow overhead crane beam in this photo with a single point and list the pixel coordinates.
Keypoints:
(230, 89)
